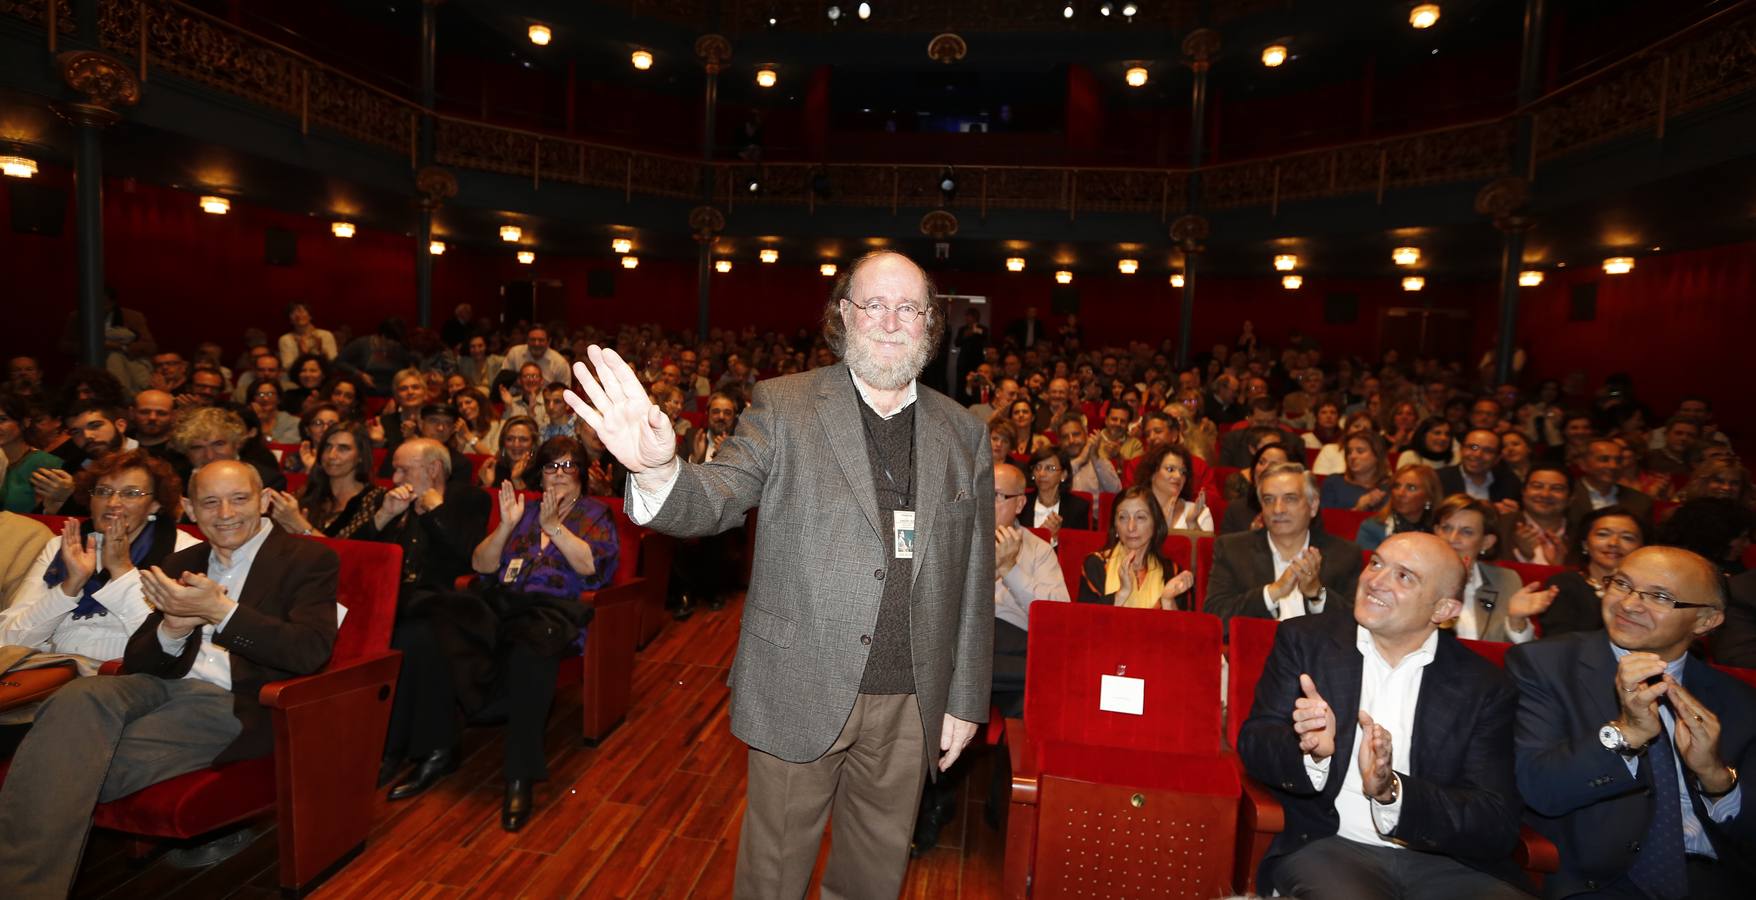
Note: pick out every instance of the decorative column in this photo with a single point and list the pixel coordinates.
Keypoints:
(714, 51)
(424, 154)
(1511, 225)
(1190, 230)
(106, 83)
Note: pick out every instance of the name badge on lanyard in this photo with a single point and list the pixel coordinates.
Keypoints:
(514, 569)
(903, 532)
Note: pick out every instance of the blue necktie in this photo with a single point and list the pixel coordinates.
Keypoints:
(1658, 866)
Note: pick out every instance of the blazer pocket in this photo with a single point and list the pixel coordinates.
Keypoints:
(771, 627)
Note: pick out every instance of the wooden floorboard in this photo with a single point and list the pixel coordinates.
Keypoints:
(651, 812)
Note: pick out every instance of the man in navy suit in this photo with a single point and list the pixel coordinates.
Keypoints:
(1629, 750)
(1388, 743)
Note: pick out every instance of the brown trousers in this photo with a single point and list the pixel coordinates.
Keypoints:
(869, 780)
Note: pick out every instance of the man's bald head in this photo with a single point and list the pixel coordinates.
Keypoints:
(227, 468)
(1009, 496)
(152, 415)
(1636, 620)
(1412, 584)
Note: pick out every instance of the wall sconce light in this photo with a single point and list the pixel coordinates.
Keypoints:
(1014, 263)
(722, 266)
(1176, 279)
(1618, 265)
(343, 229)
(1406, 256)
(1127, 266)
(526, 257)
(630, 262)
(1291, 282)
(218, 206)
(766, 77)
(1063, 277)
(17, 166)
(622, 245)
(1413, 283)
(1273, 55)
(1136, 76)
(436, 248)
(828, 270)
(511, 233)
(1424, 15)
(1530, 278)
(540, 35)
(769, 256)
(642, 60)
(1285, 262)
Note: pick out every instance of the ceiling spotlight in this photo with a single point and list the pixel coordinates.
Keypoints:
(1406, 256)
(642, 60)
(511, 233)
(1176, 279)
(1127, 266)
(1285, 262)
(1530, 278)
(1413, 283)
(1618, 265)
(1106, 9)
(1014, 263)
(1067, 11)
(630, 262)
(216, 205)
(1136, 76)
(435, 248)
(1063, 277)
(769, 256)
(1274, 54)
(622, 245)
(540, 35)
(526, 257)
(1129, 9)
(833, 12)
(346, 230)
(17, 166)
(722, 266)
(765, 76)
(1291, 282)
(864, 11)
(1424, 15)
(827, 269)
(753, 185)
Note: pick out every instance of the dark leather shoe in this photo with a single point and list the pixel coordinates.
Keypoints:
(516, 810)
(435, 766)
(388, 768)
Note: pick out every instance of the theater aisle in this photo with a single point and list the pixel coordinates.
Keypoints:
(651, 812)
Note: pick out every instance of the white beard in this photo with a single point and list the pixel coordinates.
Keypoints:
(892, 376)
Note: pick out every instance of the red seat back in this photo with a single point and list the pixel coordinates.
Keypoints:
(1180, 549)
(53, 523)
(1095, 507)
(1203, 567)
(1104, 509)
(1073, 645)
(1345, 523)
(695, 418)
(296, 482)
(1492, 651)
(1311, 456)
(1529, 572)
(1747, 676)
(1075, 545)
(371, 574)
(1251, 640)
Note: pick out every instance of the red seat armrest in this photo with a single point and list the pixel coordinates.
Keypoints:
(111, 667)
(629, 591)
(363, 672)
(1025, 768)
(1535, 853)
(1262, 813)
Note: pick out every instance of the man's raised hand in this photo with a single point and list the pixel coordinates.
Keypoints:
(638, 433)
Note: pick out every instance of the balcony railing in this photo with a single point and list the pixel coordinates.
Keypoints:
(1701, 65)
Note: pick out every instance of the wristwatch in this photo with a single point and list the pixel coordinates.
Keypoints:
(1611, 736)
(1707, 795)
(1321, 596)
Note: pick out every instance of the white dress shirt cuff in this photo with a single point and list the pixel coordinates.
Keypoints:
(1727, 807)
(643, 504)
(171, 646)
(1290, 607)
(1318, 771)
(221, 626)
(1386, 815)
(1521, 637)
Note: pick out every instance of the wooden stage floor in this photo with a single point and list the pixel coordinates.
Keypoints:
(651, 812)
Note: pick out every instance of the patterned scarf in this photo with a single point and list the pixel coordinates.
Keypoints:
(159, 534)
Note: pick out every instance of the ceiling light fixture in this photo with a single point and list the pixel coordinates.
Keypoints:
(1406, 256)
(526, 257)
(1176, 279)
(864, 11)
(17, 166)
(827, 270)
(833, 12)
(1424, 15)
(622, 245)
(722, 266)
(1618, 265)
(435, 248)
(511, 233)
(1127, 266)
(1413, 283)
(1014, 263)
(765, 77)
(1106, 9)
(1273, 55)
(1136, 76)
(1530, 278)
(1063, 277)
(769, 255)
(1129, 9)
(1291, 282)
(1285, 262)
(642, 60)
(1067, 11)
(342, 229)
(215, 205)
(540, 35)
(630, 262)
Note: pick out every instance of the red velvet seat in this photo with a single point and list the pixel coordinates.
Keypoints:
(1098, 510)
(1075, 546)
(1529, 572)
(1203, 568)
(1157, 787)
(1345, 523)
(328, 735)
(1104, 508)
(53, 523)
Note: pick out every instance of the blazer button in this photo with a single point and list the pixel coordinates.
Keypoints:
(866, 639)
(878, 574)
(1633, 846)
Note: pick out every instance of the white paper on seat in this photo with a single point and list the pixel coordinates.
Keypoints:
(1121, 694)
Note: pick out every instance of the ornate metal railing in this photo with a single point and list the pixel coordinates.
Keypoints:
(1704, 64)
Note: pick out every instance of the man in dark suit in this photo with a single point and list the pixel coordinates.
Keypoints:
(1597, 487)
(1026, 332)
(1288, 568)
(251, 605)
(1629, 749)
(867, 637)
(1388, 743)
(1479, 474)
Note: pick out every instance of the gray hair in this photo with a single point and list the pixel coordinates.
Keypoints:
(835, 330)
(1291, 468)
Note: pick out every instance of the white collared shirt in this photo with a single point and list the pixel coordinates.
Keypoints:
(41, 616)
(1599, 501)
(1035, 575)
(1695, 839)
(1389, 695)
(1480, 490)
(213, 663)
(1472, 620)
(1293, 605)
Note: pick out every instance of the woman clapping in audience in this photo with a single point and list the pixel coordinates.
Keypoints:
(1165, 470)
(478, 431)
(518, 442)
(1132, 569)
(1413, 493)
(265, 400)
(340, 498)
(1364, 485)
